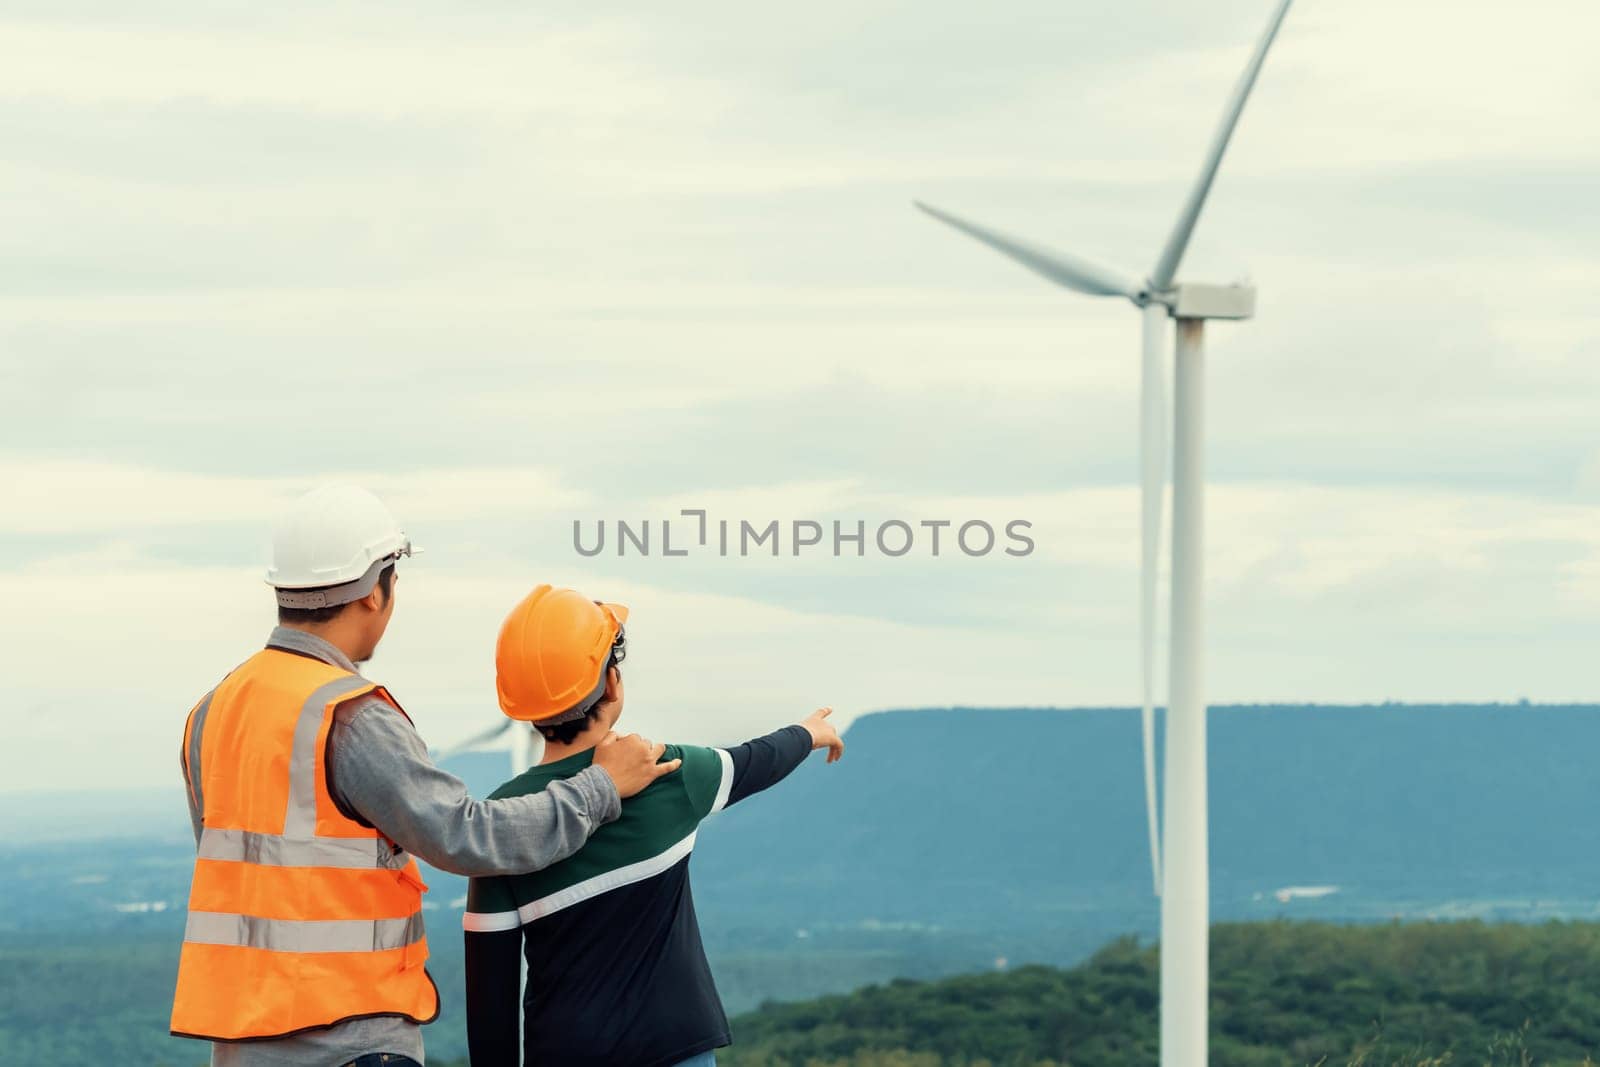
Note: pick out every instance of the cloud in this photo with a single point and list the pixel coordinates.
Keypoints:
(52, 497)
(514, 267)
(579, 71)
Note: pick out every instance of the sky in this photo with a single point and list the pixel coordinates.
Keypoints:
(519, 266)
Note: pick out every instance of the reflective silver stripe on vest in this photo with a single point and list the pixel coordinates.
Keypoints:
(300, 822)
(197, 726)
(290, 935)
(272, 850)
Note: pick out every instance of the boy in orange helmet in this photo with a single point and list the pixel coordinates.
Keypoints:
(616, 970)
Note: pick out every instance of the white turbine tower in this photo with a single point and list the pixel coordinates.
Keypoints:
(1183, 878)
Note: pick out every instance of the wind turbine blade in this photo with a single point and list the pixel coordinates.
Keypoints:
(1153, 478)
(1060, 267)
(473, 742)
(1167, 266)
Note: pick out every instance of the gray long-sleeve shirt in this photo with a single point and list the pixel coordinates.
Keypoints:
(379, 771)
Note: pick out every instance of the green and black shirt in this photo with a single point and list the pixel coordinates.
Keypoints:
(616, 971)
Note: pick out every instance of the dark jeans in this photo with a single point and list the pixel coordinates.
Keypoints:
(383, 1059)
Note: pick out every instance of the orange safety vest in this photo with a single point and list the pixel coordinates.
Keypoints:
(299, 916)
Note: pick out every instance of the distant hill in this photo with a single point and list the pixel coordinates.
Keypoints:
(1282, 993)
(976, 817)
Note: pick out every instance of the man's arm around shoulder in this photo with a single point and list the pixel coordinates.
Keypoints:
(380, 768)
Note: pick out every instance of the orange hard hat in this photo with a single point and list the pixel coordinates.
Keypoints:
(550, 661)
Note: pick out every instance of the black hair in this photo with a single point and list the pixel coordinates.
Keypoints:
(564, 733)
(312, 616)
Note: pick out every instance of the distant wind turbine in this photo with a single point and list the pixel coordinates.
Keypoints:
(521, 744)
(1183, 880)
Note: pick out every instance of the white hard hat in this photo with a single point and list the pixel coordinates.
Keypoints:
(330, 546)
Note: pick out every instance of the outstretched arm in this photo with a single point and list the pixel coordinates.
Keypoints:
(768, 760)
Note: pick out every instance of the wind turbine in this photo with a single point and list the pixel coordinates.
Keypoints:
(522, 744)
(1183, 879)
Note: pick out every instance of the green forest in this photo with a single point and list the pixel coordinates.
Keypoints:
(1397, 995)
(1282, 993)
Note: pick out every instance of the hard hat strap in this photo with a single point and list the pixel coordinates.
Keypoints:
(583, 706)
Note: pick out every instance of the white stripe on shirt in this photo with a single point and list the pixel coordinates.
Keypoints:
(490, 922)
(726, 785)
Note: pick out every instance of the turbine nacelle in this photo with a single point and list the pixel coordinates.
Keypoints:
(1198, 301)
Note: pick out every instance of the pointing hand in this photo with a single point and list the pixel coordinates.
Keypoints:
(823, 734)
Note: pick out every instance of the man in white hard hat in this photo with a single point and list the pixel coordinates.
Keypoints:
(310, 794)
